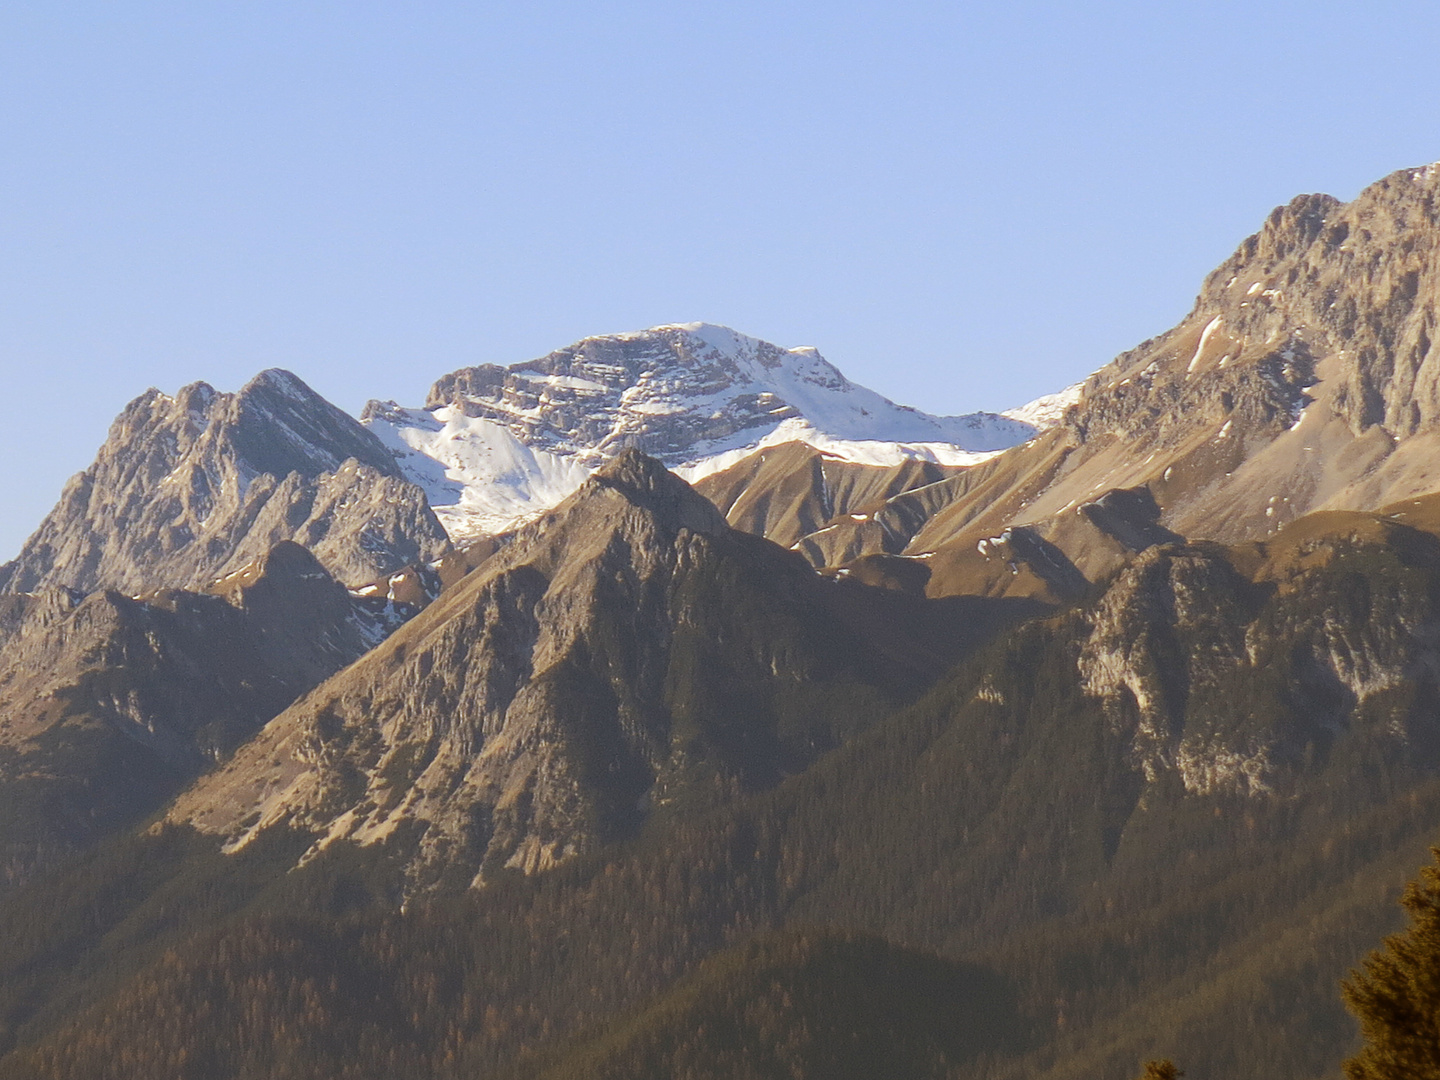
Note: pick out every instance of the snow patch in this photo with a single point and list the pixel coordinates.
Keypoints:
(479, 478)
(1047, 411)
(1210, 328)
(698, 396)
(859, 451)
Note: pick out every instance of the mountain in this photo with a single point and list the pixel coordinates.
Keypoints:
(1119, 831)
(494, 446)
(110, 703)
(625, 654)
(189, 488)
(1303, 379)
(792, 492)
(804, 1005)
(860, 757)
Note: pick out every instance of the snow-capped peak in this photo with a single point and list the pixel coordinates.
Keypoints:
(1046, 411)
(496, 444)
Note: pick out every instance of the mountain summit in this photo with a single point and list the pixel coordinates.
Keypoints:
(495, 445)
(624, 653)
(1306, 377)
(190, 487)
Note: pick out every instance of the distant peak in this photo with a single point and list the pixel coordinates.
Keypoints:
(637, 468)
(280, 381)
(647, 484)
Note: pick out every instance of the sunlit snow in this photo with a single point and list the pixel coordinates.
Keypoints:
(487, 474)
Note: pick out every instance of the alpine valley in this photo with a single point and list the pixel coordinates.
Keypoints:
(670, 706)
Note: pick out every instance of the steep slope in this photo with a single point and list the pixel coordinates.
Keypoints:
(109, 703)
(1157, 839)
(628, 653)
(1304, 378)
(789, 492)
(188, 488)
(496, 445)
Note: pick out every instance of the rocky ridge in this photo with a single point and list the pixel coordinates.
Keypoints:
(109, 703)
(1305, 378)
(625, 653)
(793, 492)
(189, 488)
(495, 445)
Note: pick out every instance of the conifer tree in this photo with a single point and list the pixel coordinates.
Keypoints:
(1163, 1069)
(1396, 994)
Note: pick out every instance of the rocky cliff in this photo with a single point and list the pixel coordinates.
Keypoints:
(191, 487)
(625, 654)
(109, 703)
(1305, 378)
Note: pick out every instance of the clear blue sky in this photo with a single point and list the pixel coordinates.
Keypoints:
(962, 205)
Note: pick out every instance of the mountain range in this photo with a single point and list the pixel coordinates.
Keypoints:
(669, 705)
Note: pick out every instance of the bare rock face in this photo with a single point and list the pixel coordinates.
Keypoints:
(191, 487)
(683, 392)
(1234, 686)
(626, 653)
(1306, 377)
(109, 703)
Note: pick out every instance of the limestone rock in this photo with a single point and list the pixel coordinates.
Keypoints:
(109, 703)
(191, 487)
(625, 653)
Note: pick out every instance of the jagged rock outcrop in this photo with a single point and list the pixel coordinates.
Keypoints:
(1306, 377)
(191, 487)
(1239, 686)
(626, 653)
(109, 703)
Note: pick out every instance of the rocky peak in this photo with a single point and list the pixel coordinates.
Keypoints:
(583, 676)
(187, 488)
(1353, 283)
(1306, 377)
(278, 425)
(679, 392)
(650, 486)
(497, 445)
(590, 396)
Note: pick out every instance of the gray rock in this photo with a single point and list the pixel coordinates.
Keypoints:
(191, 487)
(1306, 377)
(110, 703)
(624, 653)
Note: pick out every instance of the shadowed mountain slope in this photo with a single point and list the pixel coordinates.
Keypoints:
(110, 703)
(1156, 818)
(805, 1005)
(628, 653)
